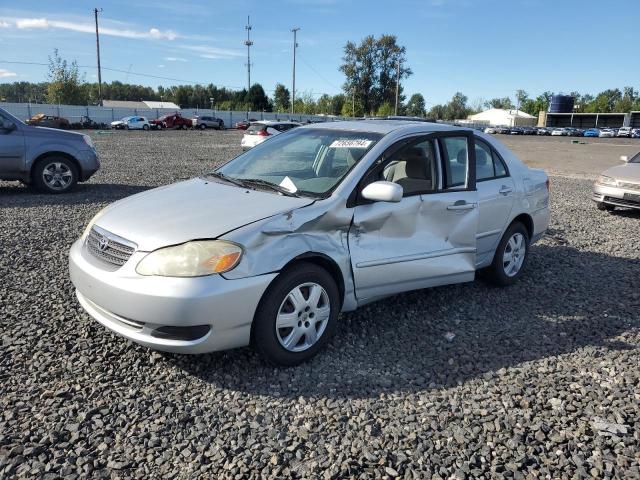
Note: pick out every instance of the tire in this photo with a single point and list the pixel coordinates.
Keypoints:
(202, 127)
(55, 175)
(502, 272)
(145, 127)
(603, 207)
(277, 307)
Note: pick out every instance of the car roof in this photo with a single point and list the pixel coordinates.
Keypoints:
(273, 122)
(386, 126)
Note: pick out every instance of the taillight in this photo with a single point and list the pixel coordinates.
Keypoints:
(263, 133)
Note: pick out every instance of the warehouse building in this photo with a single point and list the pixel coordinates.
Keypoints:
(499, 116)
(589, 120)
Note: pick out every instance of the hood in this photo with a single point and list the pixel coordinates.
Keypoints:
(629, 172)
(54, 133)
(194, 209)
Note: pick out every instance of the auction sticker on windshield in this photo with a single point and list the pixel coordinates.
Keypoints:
(355, 143)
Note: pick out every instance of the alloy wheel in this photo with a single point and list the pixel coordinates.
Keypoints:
(57, 176)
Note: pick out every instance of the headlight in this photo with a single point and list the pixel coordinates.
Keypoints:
(604, 180)
(191, 259)
(88, 141)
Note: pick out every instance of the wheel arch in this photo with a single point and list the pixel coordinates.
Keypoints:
(527, 221)
(323, 261)
(45, 155)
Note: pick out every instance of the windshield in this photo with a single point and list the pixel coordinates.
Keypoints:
(311, 161)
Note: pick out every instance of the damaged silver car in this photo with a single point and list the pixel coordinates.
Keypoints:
(269, 248)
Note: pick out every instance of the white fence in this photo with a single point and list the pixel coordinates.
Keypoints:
(74, 113)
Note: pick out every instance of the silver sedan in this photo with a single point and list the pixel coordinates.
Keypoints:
(269, 248)
(619, 186)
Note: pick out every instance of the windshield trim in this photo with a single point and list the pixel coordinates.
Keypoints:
(328, 193)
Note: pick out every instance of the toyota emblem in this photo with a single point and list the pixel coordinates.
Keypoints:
(103, 243)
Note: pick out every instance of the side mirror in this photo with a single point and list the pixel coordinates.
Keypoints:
(8, 126)
(382, 191)
(624, 158)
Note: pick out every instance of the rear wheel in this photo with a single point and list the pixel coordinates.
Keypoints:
(297, 315)
(145, 127)
(55, 175)
(202, 127)
(605, 207)
(511, 256)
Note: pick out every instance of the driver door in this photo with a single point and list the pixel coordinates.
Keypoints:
(12, 149)
(429, 237)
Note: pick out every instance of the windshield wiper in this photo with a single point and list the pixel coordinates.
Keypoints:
(222, 176)
(272, 186)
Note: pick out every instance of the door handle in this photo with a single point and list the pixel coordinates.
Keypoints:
(506, 190)
(462, 205)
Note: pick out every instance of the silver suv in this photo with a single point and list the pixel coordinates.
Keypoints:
(207, 121)
(51, 160)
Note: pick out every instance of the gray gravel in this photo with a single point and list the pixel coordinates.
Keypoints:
(469, 381)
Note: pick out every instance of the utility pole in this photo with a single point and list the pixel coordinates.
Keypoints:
(95, 12)
(353, 101)
(248, 43)
(293, 87)
(397, 88)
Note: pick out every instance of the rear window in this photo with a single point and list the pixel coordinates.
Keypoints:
(256, 127)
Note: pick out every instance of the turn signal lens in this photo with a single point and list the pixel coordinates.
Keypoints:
(191, 259)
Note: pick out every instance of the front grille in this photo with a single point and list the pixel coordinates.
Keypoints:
(629, 186)
(108, 247)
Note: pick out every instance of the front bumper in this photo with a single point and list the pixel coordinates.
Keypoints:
(89, 163)
(139, 307)
(621, 197)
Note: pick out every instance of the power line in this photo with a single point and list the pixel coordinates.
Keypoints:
(322, 77)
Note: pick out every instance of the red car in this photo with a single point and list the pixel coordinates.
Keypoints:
(172, 120)
(244, 124)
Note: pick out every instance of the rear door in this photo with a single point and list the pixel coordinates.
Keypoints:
(428, 238)
(496, 190)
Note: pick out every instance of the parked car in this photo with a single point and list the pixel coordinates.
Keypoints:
(206, 121)
(490, 130)
(131, 123)
(606, 133)
(624, 132)
(244, 124)
(515, 131)
(52, 160)
(575, 132)
(544, 131)
(322, 219)
(559, 132)
(503, 130)
(258, 132)
(619, 186)
(635, 133)
(172, 120)
(87, 123)
(592, 132)
(50, 121)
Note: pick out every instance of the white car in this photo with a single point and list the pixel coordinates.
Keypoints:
(624, 132)
(559, 132)
(131, 123)
(490, 130)
(258, 132)
(606, 133)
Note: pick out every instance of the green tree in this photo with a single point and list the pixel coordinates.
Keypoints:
(457, 107)
(337, 102)
(521, 97)
(503, 103)
(385, 110)
(257, 99)
(281, 98)
(370, 69)
(65, 84)
(438, 112)
(416, 105)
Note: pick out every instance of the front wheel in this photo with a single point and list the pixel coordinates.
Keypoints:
(55, 175)
(297, 315)
(145, 127)
(510, 257)
(202, 127)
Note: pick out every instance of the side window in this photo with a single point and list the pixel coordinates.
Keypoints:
(499, 166)
(456, 160)
(413, 168)
(484, 161)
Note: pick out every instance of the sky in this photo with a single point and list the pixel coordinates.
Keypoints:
(483, 48)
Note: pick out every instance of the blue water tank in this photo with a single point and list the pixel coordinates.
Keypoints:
(561, 104)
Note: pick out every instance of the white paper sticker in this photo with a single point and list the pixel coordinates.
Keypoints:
(355, 143)
(288, 184)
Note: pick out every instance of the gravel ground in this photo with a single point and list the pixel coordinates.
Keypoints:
(537, 380)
